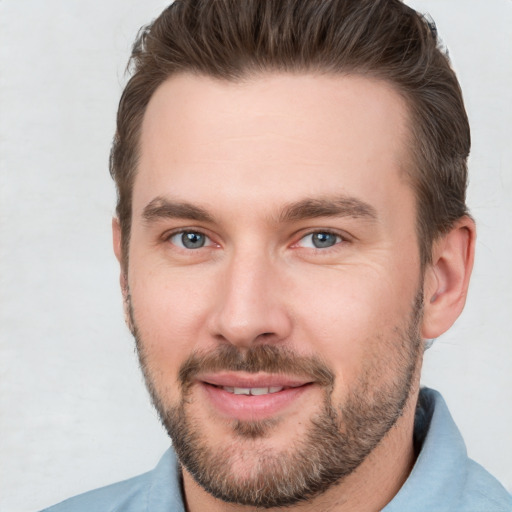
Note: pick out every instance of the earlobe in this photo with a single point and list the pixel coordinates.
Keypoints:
(117, 245)
(116, 240)
(118, 251)
(447, 278)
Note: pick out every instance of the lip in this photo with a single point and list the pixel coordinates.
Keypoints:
(249, 407)
(252, 380)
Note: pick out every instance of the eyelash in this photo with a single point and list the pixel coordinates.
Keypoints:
(169, 236)
(339, 239)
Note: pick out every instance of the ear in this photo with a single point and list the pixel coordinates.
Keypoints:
(447, 278)
(118, 251)
(117, 245)
(116, 240)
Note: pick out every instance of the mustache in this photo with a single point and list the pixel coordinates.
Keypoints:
(258, 358)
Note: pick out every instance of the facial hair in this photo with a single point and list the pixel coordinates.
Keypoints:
(338, 438)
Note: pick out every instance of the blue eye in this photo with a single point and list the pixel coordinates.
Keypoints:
(320, 240)
(190, 240)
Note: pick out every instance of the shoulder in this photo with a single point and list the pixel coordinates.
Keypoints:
(155, 491)
(127, 495)
(474, 488)
(444, 478)
(482, 492)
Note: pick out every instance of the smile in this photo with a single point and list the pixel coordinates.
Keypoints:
(252, 397)
(253, 391)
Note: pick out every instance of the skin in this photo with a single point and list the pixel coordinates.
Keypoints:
(243, 153)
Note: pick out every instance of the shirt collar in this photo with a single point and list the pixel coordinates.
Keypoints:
(439, 474)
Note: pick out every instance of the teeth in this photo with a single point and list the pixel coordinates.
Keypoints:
(252, 391)
(259, 391)
(242, 391)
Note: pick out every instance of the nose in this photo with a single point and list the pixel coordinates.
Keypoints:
(250, 305)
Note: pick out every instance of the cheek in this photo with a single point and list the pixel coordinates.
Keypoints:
(170, 309)
(352, 317)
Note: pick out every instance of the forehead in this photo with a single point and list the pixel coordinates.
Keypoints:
(273, 136)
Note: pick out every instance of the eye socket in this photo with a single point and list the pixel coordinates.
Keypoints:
(320, 240)
(190, 240)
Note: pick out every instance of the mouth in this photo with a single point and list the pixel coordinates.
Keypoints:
(252, 397)
(253, 391)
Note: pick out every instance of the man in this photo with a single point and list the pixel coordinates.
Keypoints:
(291, 228)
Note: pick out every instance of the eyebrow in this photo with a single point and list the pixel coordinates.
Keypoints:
(162, 208)
(343, 206)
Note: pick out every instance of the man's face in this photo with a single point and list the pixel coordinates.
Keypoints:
(274, 279)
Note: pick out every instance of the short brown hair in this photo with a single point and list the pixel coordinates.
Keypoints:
(383, 39)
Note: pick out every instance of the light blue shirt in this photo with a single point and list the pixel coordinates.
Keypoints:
(444, 478)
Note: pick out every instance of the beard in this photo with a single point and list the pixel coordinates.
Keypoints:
(338, 438)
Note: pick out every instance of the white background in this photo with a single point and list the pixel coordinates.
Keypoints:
(74, 414)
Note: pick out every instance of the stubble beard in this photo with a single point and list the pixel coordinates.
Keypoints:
(337, 440)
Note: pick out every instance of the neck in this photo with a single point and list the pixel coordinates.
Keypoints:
(369, 488)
